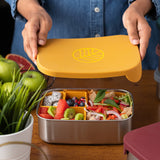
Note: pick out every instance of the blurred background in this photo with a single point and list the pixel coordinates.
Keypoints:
(6, 28)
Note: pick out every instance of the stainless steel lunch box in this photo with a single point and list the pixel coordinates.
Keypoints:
(157, 79)
(83, 131)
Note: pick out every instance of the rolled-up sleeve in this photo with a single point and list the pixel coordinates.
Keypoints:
(13, 5)
(155, 12)
(157, 7)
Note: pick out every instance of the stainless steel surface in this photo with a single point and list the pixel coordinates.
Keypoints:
(84, 131)
(130, 156)
(157, 79)
(158, 90)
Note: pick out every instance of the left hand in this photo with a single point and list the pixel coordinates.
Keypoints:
(138, 29)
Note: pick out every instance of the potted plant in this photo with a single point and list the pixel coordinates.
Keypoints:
(16, 121)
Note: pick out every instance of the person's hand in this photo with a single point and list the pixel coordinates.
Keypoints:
(138, 29)
(35, 32)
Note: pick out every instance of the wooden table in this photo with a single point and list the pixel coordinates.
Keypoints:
(146, 111)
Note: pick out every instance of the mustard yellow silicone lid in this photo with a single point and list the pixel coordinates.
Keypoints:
(101, 57)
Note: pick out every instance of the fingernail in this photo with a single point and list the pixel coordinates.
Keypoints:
(35, 62)
(41, 42)
(135, 41)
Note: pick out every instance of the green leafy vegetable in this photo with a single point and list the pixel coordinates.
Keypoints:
(126, 98)
(112, 103)
(100, 95)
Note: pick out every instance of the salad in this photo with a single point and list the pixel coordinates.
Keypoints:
(108, 105)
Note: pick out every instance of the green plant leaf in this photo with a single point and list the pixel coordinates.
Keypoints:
(16, 106)
(19, 123)
(100, 95)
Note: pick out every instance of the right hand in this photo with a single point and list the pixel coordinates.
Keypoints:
(35, 32)
(137, 27)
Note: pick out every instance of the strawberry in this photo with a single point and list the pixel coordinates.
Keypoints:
(61, 107)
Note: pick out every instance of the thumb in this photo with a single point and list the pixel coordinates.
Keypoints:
(42, 38)
(41, 41)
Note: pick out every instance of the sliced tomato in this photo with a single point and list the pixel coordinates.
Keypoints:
(102, 101)
(107, 108)
(111, 117)
(47, 116)
(99, 109)
(115, 109)
(116, 100)
(93, 108)
(121, 107)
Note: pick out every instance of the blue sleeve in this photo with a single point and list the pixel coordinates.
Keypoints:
(13, 5)
(155, 12)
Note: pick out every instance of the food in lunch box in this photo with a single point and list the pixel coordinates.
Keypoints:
(62, 106)
(107, 105)
(69, 113)
(79, 116)
(48, 101)
(43, 112)
(97, 105)
(70, 102)
(62, 112)
(47, 116)
(56, 95)
(76, 102)
(51, 111)
(52, 100)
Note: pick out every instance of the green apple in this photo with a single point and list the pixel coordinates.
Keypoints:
(7, 68)
(7, 87)
(34, 79)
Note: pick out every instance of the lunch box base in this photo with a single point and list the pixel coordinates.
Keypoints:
(83, 132)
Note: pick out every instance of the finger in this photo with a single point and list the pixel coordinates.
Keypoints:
(45, 26)
(145, 35)
(32, 39)
(131, 27)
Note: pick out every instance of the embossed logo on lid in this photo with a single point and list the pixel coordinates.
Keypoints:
(88, 55)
